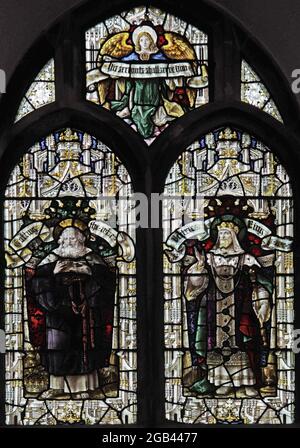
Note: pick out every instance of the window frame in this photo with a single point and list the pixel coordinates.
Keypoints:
(148, 166)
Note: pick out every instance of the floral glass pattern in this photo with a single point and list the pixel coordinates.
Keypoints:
(40, 92)
(254, 92)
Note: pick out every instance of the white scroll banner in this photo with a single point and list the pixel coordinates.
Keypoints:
(112, 237)
(20, 254)
(104, 231)
(154, 70)
(277, 243)
(257, 228)
(195, 229)
(269, 241)
(29, 233)
(127, 246)
(201, 231)
(19, 243)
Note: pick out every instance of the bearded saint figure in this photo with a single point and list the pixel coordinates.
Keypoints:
(75, 290)
(229, 309)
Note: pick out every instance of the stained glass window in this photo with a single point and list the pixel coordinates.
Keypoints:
(223, 300)
(40, 92)
(254, 92)
(148, 67)
(228, 284)
(69, 285)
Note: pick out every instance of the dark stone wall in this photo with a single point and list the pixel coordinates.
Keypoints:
(274, 23)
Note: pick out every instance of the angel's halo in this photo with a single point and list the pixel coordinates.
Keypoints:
(144, 29)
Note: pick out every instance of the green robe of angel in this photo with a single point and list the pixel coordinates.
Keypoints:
(146, 98)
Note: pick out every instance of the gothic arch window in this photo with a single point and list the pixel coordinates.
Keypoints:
(228, 282)
(151, 99)
(70, 317)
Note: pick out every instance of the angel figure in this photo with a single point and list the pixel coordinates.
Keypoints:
(146, 78)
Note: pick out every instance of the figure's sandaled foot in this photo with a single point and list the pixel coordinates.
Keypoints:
(96, 394)
(81, 396)
(53, 393)
(203, 387)
(224, 390)
(250, 391)
(191, 376)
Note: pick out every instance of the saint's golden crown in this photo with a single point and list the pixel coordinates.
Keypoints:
(229, 225)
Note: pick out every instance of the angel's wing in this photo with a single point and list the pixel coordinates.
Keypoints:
(116, 46)
(177, 47)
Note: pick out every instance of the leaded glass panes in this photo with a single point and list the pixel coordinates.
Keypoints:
(70, 286)
(70, 272)
(228, 284)
(254, 92)
(40, 92)
(148, 67)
